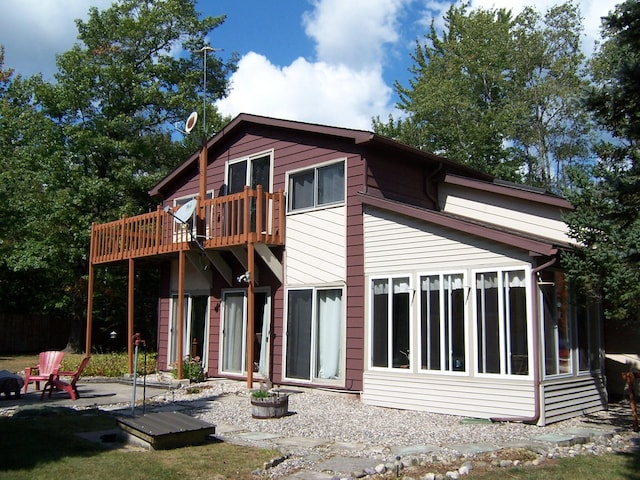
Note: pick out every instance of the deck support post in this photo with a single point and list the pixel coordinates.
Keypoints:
(130, 300)
(250, 313)
(180, 355)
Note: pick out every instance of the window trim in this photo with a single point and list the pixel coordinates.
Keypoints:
(315, 169)
(412, 302)
(248, 158)
(418, 323)
(501, 270)
(314, 380)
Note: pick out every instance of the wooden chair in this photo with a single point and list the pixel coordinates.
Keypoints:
(48, 363)
(55, 381)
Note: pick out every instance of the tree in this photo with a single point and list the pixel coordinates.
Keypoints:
(606, 220)
(137, 69)
(498, 93)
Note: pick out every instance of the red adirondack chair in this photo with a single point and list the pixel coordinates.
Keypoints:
(48, 363)
(56, 382)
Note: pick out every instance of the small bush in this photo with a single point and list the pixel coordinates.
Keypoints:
(191, 369)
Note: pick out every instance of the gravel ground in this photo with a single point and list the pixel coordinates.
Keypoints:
(343, 418)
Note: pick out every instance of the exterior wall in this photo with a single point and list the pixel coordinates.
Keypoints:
(395, 244)
(566, 398)
(400, 245)
(316, 247)
(525, 216)
(449, 395)
(317, 244)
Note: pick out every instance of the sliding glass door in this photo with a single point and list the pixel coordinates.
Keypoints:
(234, 333)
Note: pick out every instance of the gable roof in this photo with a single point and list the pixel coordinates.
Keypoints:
(363, 138)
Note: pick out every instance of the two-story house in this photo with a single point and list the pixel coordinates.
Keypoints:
(329, 257)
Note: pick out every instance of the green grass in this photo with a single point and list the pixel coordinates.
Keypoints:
(584, 467)
(42, 443)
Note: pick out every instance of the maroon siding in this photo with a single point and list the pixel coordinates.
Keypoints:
(163, 317)
(401, 179)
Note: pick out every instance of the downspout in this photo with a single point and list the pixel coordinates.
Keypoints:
(428, 177)
(536, 358)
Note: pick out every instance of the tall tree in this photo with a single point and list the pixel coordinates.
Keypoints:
(606, 220)
(498, 92)
(136, 70)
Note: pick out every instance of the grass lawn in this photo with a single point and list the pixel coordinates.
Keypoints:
(42, 443)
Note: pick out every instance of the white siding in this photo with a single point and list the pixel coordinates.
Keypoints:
(566, 398)
(316, 247)
(449, 395)
(533, 218)
(393, 243)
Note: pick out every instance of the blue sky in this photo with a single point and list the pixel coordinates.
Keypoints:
(323, 61)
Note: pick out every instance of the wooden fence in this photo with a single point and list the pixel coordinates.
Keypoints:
(24, 333)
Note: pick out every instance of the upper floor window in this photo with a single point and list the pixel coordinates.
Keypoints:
(251, 171)
(316, 187)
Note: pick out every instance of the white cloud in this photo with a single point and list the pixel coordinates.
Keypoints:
(343, 87)
(33, 31)
(353, 33)
(311, 92)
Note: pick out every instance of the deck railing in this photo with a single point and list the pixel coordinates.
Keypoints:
(248, 216)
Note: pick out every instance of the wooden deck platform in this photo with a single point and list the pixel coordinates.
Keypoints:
(165, 430)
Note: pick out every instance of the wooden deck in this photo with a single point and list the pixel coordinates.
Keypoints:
(249, 216)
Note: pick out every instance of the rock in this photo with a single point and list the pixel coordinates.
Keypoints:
(453, 475)
(380, 468)
(464, 470)
(506, 463)
(428, 476)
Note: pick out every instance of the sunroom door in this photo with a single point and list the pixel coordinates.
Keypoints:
(234, 333)
(194, 336)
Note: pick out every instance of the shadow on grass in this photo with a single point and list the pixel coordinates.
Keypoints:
(40, 435)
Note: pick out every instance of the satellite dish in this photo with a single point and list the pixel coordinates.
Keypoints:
(185, 211)
(191, 122)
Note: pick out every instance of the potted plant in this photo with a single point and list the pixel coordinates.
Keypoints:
(269, 404)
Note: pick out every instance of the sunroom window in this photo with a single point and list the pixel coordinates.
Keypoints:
(317, 187)
(501, 322)
(554, 308)
(391, 317)
(442, 322)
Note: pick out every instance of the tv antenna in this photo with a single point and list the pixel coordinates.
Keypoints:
(204, 50)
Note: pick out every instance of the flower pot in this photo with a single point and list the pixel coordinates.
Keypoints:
(273, 406)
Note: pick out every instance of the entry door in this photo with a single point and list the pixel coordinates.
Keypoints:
(196, 319)
(234, 333)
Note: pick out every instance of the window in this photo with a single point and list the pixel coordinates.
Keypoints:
(588, 331)
(315, 325)
(442, 322)
(323, 185)
(391, 315)
(553, 308)
(501, 322)
(251, 171)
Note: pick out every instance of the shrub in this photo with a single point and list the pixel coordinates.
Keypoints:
(191, 369)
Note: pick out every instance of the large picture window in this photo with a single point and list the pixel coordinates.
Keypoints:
(391, 313)
(442, 322)
(501, 322)
(316, 187)
(315, 338)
